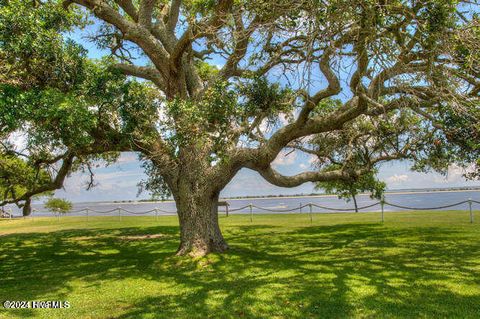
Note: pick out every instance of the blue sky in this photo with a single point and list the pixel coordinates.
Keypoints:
(119, 181)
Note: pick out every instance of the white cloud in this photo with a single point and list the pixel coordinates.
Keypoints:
(283, 119)
(454, 174)
(264, 127)
(127, 157)
(398, 178)
(106, 183)
(308, 162)
(116, 175)
(285, 158)
(19, 140)
(286, 118)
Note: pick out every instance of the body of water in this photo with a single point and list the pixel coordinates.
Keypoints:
(280, 205)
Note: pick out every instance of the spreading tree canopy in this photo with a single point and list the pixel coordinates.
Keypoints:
(203, 88)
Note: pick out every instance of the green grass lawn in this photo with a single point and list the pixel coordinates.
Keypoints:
(415, 265)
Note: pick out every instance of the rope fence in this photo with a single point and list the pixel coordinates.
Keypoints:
(426, 208)
(382, 203)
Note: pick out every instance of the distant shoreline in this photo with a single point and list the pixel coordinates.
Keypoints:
(393, 192)
(363, 194)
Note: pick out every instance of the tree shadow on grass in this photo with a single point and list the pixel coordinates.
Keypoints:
(340, 271)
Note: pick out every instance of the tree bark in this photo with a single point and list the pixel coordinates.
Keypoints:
(27, 208)
(200, 232)
(355, 203)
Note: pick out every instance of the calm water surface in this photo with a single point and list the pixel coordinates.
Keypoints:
(416, 200)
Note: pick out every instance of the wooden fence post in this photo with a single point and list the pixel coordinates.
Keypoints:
(382, 204)
(311, 213)
(471, 211)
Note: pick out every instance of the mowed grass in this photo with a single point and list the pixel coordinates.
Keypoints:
(415, 265)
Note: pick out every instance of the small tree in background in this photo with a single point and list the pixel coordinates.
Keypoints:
(350, 189)
(58, 205)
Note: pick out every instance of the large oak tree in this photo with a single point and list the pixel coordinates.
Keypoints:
(353, 83)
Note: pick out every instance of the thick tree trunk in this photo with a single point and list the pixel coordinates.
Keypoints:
(27, 208)
(199, 229)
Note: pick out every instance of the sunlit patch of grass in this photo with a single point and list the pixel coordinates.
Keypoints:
(418, 264)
